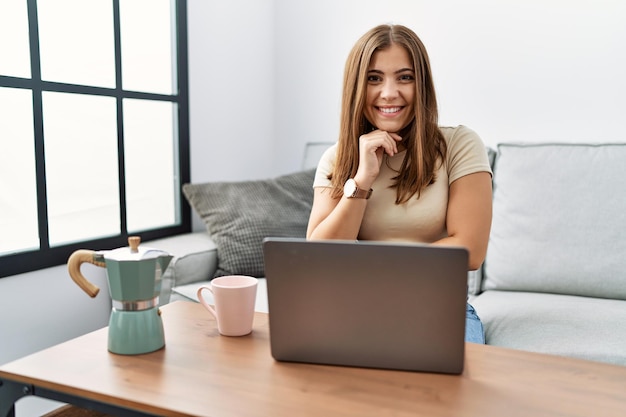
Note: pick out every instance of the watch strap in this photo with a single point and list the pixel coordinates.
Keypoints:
(361, 193)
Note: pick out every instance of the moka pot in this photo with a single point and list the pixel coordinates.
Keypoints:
(134, 278)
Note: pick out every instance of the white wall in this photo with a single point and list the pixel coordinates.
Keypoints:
(231, 78)
(522, 70)
(265, 76)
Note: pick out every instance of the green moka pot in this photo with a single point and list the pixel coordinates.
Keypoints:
(134, 277)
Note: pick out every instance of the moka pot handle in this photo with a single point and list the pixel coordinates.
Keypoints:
(73, 266)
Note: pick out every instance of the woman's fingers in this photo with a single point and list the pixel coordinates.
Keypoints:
(372, 147)
(380, 139)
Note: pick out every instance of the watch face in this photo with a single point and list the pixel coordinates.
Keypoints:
(349, 188)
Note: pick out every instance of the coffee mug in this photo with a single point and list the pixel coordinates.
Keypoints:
(234, 297)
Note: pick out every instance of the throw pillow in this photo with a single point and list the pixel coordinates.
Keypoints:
(239, 215)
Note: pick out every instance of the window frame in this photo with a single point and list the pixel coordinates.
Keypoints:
(46, 256)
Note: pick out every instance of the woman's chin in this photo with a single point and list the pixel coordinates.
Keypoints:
(390, 127)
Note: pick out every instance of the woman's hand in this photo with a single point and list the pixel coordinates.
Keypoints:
(340, 218)
(372, 147)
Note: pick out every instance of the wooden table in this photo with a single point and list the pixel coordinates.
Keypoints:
(200, 373)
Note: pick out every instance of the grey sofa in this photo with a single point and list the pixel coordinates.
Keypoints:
(554, 279)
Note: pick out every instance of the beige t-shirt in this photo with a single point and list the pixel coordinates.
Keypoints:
(420, 220)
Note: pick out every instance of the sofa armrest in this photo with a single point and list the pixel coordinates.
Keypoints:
(474, 281)
(195, 259)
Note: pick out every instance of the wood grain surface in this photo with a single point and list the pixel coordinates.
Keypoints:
(200, 373)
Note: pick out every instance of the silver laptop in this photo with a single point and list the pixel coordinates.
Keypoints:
(367, 304)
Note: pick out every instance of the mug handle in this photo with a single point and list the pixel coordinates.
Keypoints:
(203, 301)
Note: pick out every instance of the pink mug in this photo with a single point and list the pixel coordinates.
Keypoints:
(234, 297)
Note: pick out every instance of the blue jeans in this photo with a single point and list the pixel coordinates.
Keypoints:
(474, 332)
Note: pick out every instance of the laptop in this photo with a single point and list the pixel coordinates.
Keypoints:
(367, 304)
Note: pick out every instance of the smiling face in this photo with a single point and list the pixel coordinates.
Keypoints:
(390, 97)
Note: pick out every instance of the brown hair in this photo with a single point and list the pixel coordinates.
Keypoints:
(425, 144)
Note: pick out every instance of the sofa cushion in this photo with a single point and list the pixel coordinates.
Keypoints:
(559, 215)
(579, 327)
(239, 215)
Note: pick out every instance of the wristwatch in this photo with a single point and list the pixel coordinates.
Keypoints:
(352, 190)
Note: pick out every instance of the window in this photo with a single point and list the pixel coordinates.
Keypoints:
(94, 129)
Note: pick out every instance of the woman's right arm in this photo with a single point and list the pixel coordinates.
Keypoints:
(335, 218)
(340, 218)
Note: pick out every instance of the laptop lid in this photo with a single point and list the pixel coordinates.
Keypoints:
(367, 304)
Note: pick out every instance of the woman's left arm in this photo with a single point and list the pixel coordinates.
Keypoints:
(468, 219)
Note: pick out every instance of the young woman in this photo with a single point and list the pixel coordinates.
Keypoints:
(395, 174)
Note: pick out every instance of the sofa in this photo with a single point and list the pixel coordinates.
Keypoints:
(554, 278)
